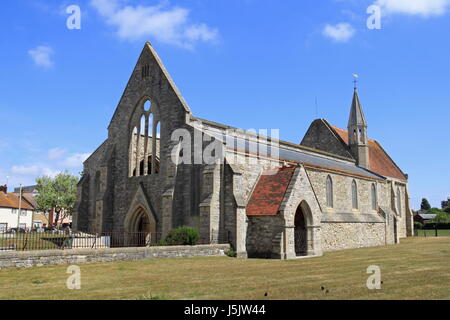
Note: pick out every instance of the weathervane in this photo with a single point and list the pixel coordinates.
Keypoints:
(355, 80)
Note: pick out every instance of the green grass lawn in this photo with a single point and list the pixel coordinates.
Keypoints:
(32, 241)
(432, 233)
(418, 268)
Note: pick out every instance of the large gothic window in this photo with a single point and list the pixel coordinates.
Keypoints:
(399, 202)
(329, 189)
(374, 197)
(144, 156)
(354, 195)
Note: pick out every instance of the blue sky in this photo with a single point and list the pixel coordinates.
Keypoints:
(247, 63)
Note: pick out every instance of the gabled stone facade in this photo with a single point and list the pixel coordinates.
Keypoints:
(146, 178)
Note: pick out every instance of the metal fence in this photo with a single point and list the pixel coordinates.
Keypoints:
(27, 241)
(432, 233)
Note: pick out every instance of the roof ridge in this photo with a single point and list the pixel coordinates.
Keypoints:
(282, 142)
(345, 144)
(148, 47)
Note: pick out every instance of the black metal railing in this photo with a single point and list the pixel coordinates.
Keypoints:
(28, 241)
(432, 233)
(300, 237)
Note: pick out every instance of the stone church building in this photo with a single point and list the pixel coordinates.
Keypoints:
(336, 189)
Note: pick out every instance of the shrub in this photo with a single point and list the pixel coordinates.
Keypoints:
(440, 226)
(182, 236)
(161, 243)
(231, 252)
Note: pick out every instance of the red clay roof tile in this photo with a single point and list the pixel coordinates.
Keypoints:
(380, 162)
(269, 192)
(10, 200)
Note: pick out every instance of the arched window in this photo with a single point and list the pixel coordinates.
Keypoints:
(329, 188)
(144, 142)
(157, 141)
(374, 197)
(399, 202)
(147, 105)
(354, 195)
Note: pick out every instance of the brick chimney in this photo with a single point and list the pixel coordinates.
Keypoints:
(4, 189)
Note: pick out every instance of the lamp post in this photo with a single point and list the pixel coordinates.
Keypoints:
(20, 207)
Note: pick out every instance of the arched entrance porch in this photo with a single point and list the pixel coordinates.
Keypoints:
(301, 222)
(141, 228)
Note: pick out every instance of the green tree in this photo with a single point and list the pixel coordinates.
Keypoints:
(441, 216)
(425, 205)
(57, 194)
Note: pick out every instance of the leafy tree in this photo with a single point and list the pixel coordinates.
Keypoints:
(425, 205)
(57, 194)
(441, 216)
(447, 210)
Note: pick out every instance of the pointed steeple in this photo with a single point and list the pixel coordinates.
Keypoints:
(356, 112)
(357, 133)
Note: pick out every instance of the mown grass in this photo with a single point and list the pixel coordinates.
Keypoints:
(418, 268)
(31, 241)
(432, 233)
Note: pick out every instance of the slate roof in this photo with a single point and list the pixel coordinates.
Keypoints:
(269, 192)
(27, 189)
(427, 216)
(299, 156)
(380, 162)
(10, 200)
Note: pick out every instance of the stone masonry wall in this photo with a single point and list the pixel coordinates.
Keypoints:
(342, 192)
(261, 232)
(320, 137)
(172, 111)
(76, 256)
(337, 236)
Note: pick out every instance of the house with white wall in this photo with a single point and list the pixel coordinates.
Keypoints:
(10, 217)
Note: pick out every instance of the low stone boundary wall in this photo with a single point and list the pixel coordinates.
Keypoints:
(28, 259)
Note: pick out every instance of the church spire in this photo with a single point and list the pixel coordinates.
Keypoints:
(356, 112)
(357, 132)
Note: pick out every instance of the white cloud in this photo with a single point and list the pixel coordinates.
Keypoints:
(341, 32)
(414, 7)
(25, 170)
(168, 25)
(56, 153)
(42, 56)
(50, 172)
(57, 162)
(34, 170)
(75, 160)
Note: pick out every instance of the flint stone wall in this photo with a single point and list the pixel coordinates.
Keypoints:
(342, 235)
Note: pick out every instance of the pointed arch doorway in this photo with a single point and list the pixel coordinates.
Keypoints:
(301, 229)
(141, 228)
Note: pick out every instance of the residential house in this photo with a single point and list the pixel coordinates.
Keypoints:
(14, 212)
